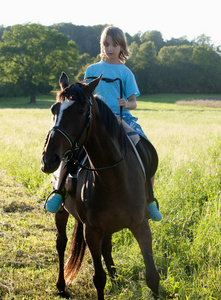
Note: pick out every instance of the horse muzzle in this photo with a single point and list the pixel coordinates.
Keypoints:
(50, 165)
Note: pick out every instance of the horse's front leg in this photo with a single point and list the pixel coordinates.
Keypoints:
(94, 242)
(61, 219)
(142, 234)
(106, 252)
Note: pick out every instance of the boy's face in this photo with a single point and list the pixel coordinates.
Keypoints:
(112, 50)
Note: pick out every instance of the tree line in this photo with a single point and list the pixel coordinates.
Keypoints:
(32, 57)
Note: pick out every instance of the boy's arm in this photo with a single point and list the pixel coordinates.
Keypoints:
(130, 104)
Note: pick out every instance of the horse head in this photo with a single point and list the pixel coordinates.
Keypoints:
(72, 115)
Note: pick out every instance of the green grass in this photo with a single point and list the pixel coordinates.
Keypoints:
(186, 243)
(43, 101)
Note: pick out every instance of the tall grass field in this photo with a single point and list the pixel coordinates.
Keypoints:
(186, 243)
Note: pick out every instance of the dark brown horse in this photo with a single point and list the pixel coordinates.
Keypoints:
(110, 194)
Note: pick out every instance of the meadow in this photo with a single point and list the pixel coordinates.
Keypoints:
(186, 243)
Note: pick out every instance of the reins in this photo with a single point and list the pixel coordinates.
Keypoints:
(84, 166)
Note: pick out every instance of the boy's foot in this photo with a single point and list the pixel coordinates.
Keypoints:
(54, 202)
(154, 212)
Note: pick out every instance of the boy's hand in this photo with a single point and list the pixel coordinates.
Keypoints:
(83, 81)
(122, 102)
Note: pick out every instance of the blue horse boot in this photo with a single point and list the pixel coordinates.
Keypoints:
(154, 212)
(54, 203)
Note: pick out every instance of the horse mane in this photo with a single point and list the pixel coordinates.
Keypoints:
(108, 118)
(74, 91)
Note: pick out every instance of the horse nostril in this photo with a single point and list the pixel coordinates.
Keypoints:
(50, 165)
(43, 163)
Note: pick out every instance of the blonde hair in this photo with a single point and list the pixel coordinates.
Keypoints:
(118, 38)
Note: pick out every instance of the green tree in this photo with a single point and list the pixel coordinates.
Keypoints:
(143, 62)
(86, 37)
(207, 63)
(189, 69)
(174, 55)
(175, 69)
(155, 37)
(85, 61)
(32, 58)
(178, 41)
(202, 40)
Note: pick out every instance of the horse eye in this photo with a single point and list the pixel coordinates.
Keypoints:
(81, 112)
(55, 108)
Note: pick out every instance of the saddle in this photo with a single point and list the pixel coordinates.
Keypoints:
(145, 149)
(148, 155)
(148, 158)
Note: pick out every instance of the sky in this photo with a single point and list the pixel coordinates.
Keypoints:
(173, 18)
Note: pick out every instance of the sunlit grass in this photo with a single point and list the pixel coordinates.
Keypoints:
(186, 243)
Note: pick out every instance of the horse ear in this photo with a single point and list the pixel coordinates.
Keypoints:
(63, 81)
(91, 86)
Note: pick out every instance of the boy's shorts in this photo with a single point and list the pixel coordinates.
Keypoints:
(132, 122)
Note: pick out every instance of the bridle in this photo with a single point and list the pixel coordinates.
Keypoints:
(74, 144)
(77, 143)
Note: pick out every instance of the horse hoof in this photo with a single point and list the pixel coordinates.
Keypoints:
(64, 295)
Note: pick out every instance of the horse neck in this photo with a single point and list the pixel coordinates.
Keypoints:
(103, 149)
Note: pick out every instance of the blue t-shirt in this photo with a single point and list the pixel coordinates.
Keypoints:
(109, 92)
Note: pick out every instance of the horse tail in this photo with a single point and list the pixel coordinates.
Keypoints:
(76, 253)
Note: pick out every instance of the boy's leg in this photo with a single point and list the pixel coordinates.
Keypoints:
(152, 202)
(59, 177)
(149, 159)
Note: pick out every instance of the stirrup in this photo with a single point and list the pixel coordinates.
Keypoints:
(55, 201)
